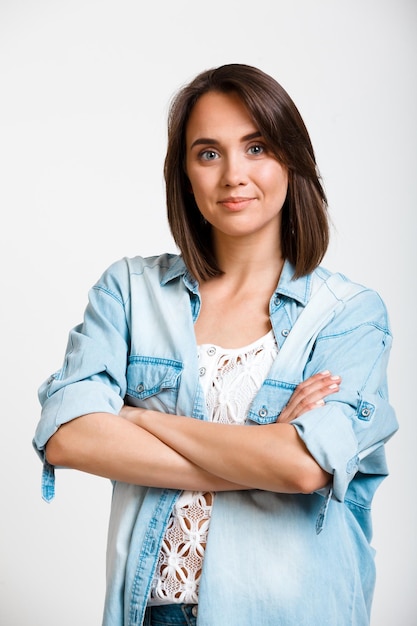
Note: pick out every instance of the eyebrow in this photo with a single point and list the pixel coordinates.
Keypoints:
(204, 141)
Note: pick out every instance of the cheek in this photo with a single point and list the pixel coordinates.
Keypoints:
(201, 185)
(275, 180)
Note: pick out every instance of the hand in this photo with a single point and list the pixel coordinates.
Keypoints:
(309, 395)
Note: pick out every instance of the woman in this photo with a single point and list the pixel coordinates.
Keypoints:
(210, 523)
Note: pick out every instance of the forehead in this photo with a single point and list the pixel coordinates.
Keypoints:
(219, 114)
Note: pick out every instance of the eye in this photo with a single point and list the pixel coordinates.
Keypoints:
(256, 149)
(208, 155)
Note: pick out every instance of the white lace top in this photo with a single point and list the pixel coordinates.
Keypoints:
(230, 379)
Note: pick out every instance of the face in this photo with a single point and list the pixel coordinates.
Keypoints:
(238, 185)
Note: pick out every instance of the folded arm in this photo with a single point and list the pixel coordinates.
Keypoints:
(271, 457)
(110, 446)
(159, 450)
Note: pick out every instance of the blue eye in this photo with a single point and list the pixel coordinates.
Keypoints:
(208, 155)
(256, 149)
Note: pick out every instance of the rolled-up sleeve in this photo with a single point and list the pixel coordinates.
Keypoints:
(93, 375)
(348, 434)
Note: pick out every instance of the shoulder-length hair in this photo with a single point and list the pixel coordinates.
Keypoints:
(304, 221)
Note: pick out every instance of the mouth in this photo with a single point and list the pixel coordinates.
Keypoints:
(236, 203)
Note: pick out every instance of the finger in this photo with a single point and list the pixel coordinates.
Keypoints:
(317, 380)
(317, 385)
(312, 390)
(307, 397)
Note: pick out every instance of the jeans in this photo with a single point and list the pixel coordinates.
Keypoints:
(171, 615)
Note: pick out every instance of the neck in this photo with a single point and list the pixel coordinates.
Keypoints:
(245, 260)
(235, 305)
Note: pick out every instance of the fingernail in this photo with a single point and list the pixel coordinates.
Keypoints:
(320, 402)
(334, 386)
(334, 377)
(325, 373)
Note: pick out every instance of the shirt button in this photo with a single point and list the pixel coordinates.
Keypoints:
(277, 300)
(365, 412)
(285, 332)
(194, 610)
(352, 465)
(211, 351)
(202, 371)
(140, 388)
(262, 412)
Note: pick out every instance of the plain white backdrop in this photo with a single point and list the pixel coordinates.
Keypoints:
(84, 91)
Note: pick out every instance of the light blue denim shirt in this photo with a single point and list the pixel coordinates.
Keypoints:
(271, 558)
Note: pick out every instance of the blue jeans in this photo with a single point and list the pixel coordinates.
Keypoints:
(171, 615)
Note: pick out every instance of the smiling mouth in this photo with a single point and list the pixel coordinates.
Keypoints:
(235, 204)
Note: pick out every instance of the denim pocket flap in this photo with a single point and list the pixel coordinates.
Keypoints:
(267, 406)
(148, 376)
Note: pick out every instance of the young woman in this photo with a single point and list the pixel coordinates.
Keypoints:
(243, 477)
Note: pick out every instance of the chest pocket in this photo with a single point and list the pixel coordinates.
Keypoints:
(269, 403)
(153, 383)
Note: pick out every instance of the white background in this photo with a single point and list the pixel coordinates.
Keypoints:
(84, 90)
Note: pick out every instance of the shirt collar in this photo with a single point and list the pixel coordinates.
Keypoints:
(296, 288)
(178, 269)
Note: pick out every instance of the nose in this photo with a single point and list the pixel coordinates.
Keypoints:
(234, 171)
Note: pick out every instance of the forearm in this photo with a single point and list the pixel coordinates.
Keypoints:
(112, 447)
(270, 457)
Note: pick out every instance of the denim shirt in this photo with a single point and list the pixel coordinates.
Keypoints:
(271, 558)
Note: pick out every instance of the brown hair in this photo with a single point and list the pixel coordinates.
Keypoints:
(304, 223)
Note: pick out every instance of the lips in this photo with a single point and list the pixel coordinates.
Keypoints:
(235, 203)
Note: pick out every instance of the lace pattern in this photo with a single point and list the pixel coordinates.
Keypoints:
(230, 380)
(233, 378)
(182, 551)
